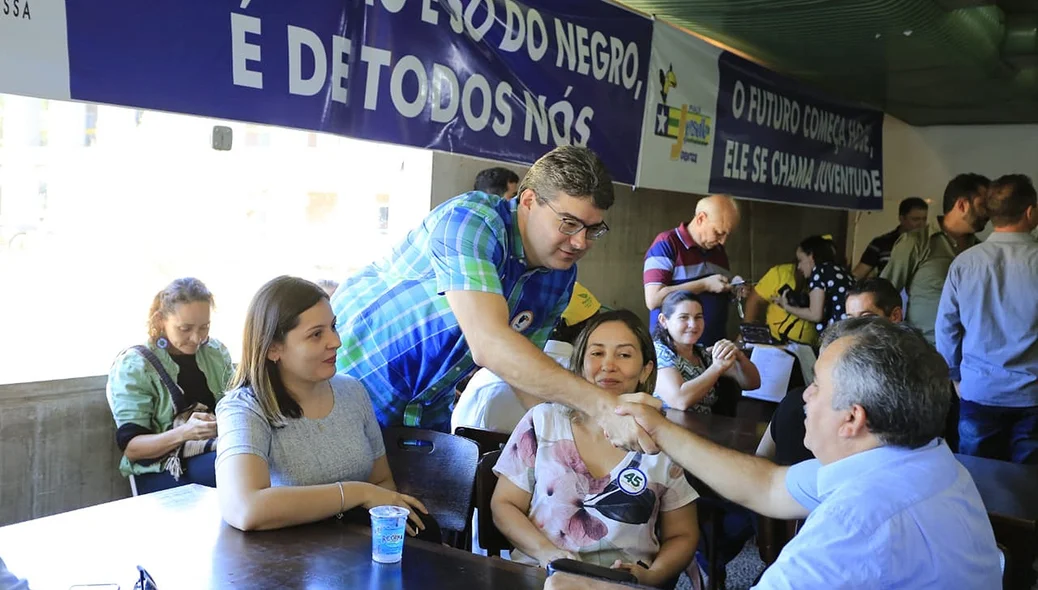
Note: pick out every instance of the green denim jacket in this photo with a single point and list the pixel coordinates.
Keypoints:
(137, 395)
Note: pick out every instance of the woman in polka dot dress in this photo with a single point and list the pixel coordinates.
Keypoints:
(827, 283)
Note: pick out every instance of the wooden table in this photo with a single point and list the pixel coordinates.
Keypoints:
(742, 433)
(179, 537)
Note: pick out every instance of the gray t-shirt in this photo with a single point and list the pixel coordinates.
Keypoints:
(342, 446)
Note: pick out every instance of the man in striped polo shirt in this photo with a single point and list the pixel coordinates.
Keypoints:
(481, 282)
(691, 257)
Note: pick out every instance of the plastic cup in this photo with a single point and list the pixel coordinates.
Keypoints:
(387, 533)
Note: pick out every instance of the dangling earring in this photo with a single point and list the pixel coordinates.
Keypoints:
(162, 342)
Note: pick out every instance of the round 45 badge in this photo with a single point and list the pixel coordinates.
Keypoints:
(632, 481)
(522, 321)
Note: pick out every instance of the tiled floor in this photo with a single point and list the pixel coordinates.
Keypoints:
(742, 571)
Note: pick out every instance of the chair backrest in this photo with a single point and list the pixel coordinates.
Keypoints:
(488, 440)
(437, 468)
(728, 394)
(1003, 561)
(490, 538)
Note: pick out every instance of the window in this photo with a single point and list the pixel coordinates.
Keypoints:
(103, 206)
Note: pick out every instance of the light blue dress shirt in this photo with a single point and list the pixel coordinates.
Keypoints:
(987, 323)
(889, 517)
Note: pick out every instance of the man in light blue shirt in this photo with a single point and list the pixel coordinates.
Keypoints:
(887, 505)
(987, 329)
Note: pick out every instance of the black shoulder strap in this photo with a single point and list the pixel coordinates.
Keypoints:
(784, 336)
(179, 400)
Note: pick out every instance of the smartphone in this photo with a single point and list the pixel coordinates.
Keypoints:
(572, 566)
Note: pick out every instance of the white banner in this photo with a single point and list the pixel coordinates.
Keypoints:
(677, 134)
(718, 123)
(34, 55)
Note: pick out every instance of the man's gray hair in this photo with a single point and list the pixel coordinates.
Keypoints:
(895, 375)
(573, 170)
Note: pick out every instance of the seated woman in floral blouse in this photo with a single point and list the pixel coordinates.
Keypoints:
(688, 373)
(566, 492)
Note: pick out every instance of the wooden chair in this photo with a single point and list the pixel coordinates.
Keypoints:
(488, 440)
(1003, 552)
(490, 538)
(440, 470)
(774, 534)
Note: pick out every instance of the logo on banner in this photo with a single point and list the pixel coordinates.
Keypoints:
(684, 124)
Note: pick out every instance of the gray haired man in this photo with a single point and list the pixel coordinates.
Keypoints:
(886, 502)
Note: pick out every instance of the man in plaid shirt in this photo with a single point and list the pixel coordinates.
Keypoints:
(481, 282)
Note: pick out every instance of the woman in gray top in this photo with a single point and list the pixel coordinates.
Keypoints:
(298, 443)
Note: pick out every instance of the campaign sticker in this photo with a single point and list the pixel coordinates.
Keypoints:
(632, 481)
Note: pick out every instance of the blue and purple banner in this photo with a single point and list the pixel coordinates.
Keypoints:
(497, 79)
(492, 78)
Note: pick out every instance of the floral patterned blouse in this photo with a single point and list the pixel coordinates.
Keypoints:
(599, 519)
(667, 358)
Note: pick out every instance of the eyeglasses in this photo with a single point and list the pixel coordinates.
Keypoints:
(570, 226)
(146, 582)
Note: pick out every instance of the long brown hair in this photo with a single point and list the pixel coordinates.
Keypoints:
(637, 327)
(273, 312)
(184, 290)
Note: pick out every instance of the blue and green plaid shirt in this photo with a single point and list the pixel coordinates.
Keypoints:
(399, 335)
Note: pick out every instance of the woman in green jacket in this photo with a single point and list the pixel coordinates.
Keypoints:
(163, 393)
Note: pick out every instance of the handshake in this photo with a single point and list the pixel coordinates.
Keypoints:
(632, 421)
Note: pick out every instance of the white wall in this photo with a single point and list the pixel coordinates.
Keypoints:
(453, 174)
(612, 270)
(919, 162)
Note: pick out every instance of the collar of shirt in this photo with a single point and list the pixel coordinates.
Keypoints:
(518, 251)
(834, 475)
(936, 227)
(685, 236)
(688, 241)
(1012, 237)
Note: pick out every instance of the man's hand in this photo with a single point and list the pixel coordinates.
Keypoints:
(623, 431)
(648, 417)
(716, 284)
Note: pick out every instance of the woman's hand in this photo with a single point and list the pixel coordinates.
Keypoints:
(725, 354)
(642, 573)
(781, 301)
(555, 553)
(379, 496)
(200, 426)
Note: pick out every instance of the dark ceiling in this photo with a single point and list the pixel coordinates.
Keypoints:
(927, 62)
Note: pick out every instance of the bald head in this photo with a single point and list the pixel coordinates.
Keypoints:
(716, 218)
